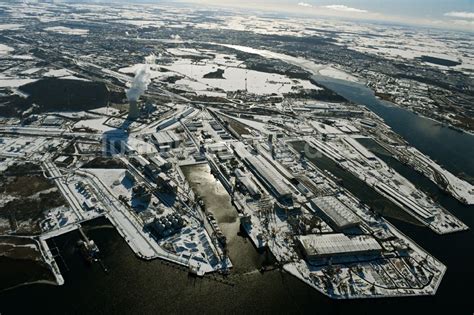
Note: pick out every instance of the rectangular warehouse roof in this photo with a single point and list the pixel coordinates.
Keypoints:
(165, 138)
(360, 148)
(269, 176)
(337, 244)
(336, 211)
(405, 201)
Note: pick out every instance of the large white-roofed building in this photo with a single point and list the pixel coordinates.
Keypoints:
(269, 176)
(333, 245)
(166, 139)
(339, 215)
(265, 172)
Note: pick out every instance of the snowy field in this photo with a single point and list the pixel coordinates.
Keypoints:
(67, 30)
(235, 75)
(11, 27)
(315, 68)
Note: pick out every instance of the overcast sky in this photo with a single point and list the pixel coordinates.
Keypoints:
(441, 13)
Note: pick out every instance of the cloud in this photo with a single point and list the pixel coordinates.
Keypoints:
(463, 15)
(304, 4)
(344, 8)
(467, 23)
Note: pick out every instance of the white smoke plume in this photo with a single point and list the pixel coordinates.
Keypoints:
(151, 59)
(141, 80)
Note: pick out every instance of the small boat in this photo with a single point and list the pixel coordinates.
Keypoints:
(89, 250)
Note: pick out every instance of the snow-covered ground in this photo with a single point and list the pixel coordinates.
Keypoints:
(459, 188)
(4, 49)
(24, 146)
(11, 27)
(14, 82)
(317, 69)
(63, 74)
(96, 124)
(235, 76)
(67, 30)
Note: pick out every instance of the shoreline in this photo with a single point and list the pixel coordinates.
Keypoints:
(30, 283)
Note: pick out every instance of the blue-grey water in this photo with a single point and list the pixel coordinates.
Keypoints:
(135, 286)
(452, 149)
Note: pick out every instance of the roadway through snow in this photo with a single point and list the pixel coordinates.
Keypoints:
(64, 188)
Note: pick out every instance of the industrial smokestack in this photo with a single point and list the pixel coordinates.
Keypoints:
(138, 86)
(133, 111)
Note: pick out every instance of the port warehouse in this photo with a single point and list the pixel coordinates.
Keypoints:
(269, 177)
(360, 148)
(405, 202)
(326, 150)
(275, 163)
(353, 143)
(317, 246)
(340, 216)
(173, 120)
(163, 140)
(265, 172)
(385, 189)
(166, 140)
(248, 183)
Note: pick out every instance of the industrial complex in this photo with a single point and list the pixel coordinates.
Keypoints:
(298, 163)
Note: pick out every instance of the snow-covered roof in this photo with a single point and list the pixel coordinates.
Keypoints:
(337, 244)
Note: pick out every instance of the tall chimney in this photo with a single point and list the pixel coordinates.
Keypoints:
(133, 111)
